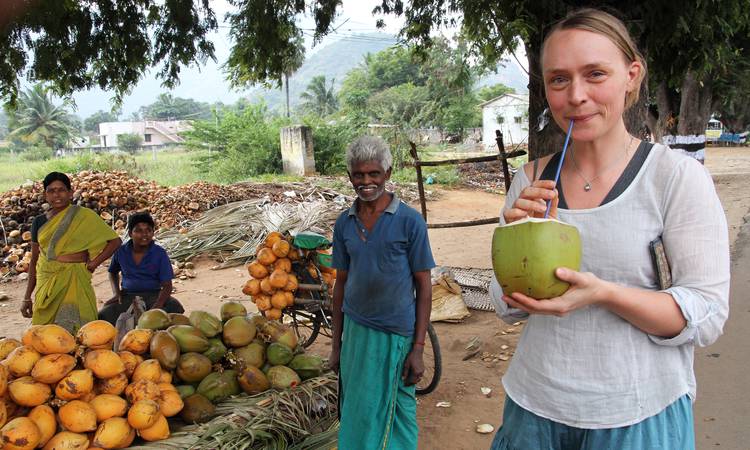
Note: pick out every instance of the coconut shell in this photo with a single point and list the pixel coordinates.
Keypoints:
(114, 432)
(266, 257)
(107, 406)
(77, 416)
(170, 403)
(75, 385)
(49, 339)
(52, 368)
(67, 440)
(253, 381)
(44, 419)
(103, 363)
(197, 409)
(238, 331)
(193, 367)
(21, 360)
(526, 253)
(157, 432)
(277, 279)
(257, 270)
(20, 433)
(25, 391)
(281, 248)
(96, 334)
(143, 414)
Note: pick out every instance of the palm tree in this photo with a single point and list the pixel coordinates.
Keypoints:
(319, 98)
(38, 120)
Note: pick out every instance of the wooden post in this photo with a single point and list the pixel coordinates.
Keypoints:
(503, 159)
(420, 183)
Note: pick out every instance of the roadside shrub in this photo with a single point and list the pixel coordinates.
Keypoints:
(129, 142)
(243, 144)
(330, 140)
(37, 153)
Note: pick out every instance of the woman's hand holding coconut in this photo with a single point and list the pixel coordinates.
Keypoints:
(585, 289)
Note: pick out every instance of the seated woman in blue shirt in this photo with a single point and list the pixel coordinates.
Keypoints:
(146, 272)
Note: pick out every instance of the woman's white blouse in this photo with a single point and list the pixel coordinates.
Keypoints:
(591, 368)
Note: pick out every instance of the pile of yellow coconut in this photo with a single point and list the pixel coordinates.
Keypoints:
(65, 392)
(273, 283)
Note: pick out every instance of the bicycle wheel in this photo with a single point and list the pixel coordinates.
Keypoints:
(306, 326)
(433, 363)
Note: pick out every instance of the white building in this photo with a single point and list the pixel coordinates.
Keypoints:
(508, 113)
(152, 132)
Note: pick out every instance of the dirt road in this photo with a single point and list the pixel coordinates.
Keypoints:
(720, 411)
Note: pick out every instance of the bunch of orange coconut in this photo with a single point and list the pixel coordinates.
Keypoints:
(65, 392)
(272, 284)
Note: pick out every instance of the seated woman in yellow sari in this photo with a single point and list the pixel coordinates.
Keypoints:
(68, 243)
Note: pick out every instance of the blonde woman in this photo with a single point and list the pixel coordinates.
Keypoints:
(609, 364)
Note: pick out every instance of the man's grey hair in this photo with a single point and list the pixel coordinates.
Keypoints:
(368, 148)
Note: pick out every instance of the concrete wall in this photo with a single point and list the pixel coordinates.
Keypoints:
(510, 108)
(297, 153)
(152, 133)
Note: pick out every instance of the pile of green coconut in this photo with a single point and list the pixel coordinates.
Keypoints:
(214, 358)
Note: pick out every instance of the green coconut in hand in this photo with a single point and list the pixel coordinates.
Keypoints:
(526, 253)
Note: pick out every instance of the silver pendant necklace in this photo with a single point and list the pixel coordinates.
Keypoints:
(587, 186)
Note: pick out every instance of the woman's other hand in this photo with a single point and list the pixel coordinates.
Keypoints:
(533, 202)
(585, 289)
(27, 308)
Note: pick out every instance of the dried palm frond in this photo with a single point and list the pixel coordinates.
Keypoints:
(301, 418)
(233, 231)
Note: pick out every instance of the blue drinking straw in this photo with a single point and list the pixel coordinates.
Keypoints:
(559, 165)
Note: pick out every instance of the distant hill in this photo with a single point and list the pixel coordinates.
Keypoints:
(334, 61)
(337, 59)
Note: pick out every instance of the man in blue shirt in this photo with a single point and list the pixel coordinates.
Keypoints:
(146, 272)
(381, 306)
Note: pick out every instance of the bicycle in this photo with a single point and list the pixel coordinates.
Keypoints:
(311, 315)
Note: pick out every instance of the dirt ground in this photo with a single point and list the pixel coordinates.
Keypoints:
(440, 427)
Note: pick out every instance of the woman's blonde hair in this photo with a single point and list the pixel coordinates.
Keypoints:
(600, 22)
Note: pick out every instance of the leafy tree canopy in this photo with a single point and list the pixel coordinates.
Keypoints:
(168, 107)
(496, 90)
(91, 123)
(79, 44)
(409, 87)
(129, 142)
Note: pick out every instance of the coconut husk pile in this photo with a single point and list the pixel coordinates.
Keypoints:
(487, 176)
(301, 418)
(115, 194)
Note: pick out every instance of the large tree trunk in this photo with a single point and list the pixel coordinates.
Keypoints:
(663, 120)
(687, 131)
(550, 139)
(695, 105)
